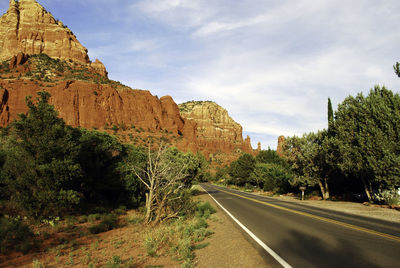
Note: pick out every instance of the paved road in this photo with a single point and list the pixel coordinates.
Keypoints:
(311, 237)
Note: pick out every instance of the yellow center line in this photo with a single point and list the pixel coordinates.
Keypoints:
(350, 226)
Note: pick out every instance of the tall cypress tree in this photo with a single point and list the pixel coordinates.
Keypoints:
(330, 115)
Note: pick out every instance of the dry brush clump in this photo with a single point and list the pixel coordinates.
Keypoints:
(180, 237)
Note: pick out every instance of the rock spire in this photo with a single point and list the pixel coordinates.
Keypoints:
(28, 28)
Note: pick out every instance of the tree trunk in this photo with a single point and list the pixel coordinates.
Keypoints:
(321, 186)
(326, 189)
(149, 207)
(367, 191)
(159, 211)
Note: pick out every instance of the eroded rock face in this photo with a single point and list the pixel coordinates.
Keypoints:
(28, 28)
(89, 105)
(215, 129)
(99, 67)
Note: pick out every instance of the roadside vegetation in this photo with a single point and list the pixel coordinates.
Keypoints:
(356, 158)
(63, 188)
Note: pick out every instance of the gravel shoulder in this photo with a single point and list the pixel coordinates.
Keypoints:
(228, 245)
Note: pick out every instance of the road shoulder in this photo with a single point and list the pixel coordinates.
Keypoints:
(228, 245)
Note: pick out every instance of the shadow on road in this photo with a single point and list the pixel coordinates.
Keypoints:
(313, 252)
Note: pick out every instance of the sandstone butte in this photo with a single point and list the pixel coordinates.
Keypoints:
(84, 96)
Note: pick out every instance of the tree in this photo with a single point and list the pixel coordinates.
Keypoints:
(396, 68)
(271, 177)
(134, 193)
(241, 169)
(100, 157)
(164, 178)
(269, 156)
(330, 116)
(309, 160)
(367, 130)
(41, 170)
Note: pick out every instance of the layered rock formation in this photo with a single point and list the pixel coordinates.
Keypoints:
(28, 28)
(84, 104)
(216, 131)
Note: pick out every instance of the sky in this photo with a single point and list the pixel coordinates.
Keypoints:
(271, 63)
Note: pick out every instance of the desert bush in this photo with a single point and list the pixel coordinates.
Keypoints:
(107, 223)
(154, 240)
(115, 262)
(119, 211)
(83, 219)
(94, 217)
(14, 234)
(135, 219)
(388, 197)
(205, 210)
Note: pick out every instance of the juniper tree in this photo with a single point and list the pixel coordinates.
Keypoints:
(367, 130)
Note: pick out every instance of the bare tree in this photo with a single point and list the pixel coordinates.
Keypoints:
(163, 177)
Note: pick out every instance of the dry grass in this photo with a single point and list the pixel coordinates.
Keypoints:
(129, 244)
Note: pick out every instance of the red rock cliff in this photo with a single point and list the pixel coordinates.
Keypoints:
(88, 105)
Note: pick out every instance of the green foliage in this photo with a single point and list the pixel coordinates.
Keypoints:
(389, 197)
(359, 150)
(14, 234)
(94, 217)
(269, 157)
(5, 67)
(49, 168)
(241, 169)
(271, 177)
(330, 115)
(41, 164)
(100, 158)
(396, 68)
(367, 130)
(115, 262)
(205, 210)
(311, 160)
(134, 189)
(108, 222)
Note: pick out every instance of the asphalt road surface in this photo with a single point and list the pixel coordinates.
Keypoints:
(303, 236)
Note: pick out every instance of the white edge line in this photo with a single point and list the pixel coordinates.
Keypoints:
(261, 243)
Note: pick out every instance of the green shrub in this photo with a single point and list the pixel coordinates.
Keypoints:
(185, 249)
(119, 211)
(108, 222)
(205, 210)
(14, 234)
(83, 219)
(135, 219)
(388, 197)
(114, 262)
(98, 228)
(94, 217)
